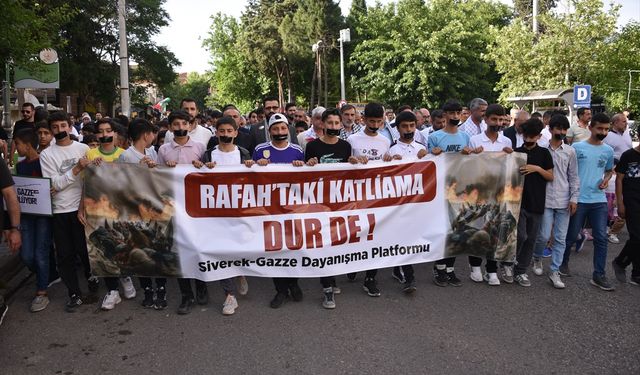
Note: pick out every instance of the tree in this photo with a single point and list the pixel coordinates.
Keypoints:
(89, 60)
(195, 87)
(577, 48)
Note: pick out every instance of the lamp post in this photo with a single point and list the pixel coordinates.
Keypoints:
(125, 105)
(345, 36)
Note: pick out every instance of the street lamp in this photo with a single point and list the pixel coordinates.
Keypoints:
(345, 36)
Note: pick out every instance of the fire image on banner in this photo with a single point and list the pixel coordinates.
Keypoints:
(130, 229)
(483, 201)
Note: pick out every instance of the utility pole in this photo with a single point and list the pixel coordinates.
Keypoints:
(535, 17)
(6, 111)
(345, 36)
(125, 105)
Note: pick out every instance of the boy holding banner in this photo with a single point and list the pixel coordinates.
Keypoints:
(407, 146)
(36, 230)
(142, 151)
(184, 150)
(63, 162)
(448, 139)
(227, 153)
(328, 148)
(280, 151)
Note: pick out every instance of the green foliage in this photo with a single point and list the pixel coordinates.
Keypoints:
(195, 87)
(578, 48)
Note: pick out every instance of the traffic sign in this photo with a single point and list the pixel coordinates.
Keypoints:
(582, 96)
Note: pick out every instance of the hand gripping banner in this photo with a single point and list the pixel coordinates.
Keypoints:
(286, 221)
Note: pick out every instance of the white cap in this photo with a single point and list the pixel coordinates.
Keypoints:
(277, 118)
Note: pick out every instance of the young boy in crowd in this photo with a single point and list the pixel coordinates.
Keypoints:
(328, 148)
(45, 137)
(63, 162)
(407, 147)
(491, 140)
(561, 200)
(91, 140)
(538, 171)
(280, 151)
(35, 230)
(142, 152)
(227, 153)
(367, 145)
(595, 166)
(448, 139)
(108, 152)
(181, 149)
(628, 197)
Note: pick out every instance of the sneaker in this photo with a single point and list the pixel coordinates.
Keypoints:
(93, 284)
(602, 283)
(54, 282)
(371, 287)
(398, 274)
(492, 278)
(351, 276)
(3, 311)
(613, 238)
(148, 301)
(621, 272)
(453, 280)
(580, 242)
(555, 279)
(328, 301)
(39, 303)
(73, 303)
(161, 299)
(476, 274)
(202, 296)
(547, 253)
(336, 290)
(185, 305)
(537, 267)
(243, 285)
(409, 287)
(635, 280)
(440, 277)
(127, 286)
(507, 274)
(278, 300)
(296, 292)
(230, 305)
(111, 300)
(564, 271)
(522, 279)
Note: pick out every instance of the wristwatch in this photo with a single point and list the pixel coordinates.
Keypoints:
(16, 227)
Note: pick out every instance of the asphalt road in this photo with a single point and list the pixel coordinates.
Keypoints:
(474, 329)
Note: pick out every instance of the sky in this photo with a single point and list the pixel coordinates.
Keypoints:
(190, 21)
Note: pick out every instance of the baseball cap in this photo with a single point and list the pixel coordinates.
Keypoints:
(277, 118)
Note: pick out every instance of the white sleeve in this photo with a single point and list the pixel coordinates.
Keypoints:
(58, 181)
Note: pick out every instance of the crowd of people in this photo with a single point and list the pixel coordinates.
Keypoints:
(580, 176)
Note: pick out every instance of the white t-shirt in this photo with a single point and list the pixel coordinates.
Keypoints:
(406, 149)
(199, 134)
(487, 145)
(374, 148)
(226, 158)
(545, 137)
(619, 142)
(57, 164)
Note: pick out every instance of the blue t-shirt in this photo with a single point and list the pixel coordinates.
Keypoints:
(448, 142)
(278, 155)
(593, 161)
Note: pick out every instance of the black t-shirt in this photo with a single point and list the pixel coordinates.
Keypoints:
(629, 165)
(535, 186)
(5, 181)
(21, 125)
(328, 153)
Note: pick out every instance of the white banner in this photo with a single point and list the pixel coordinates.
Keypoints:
(285, 221)
(34, 195)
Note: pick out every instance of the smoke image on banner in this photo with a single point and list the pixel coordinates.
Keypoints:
(130, 218)
(483, 197)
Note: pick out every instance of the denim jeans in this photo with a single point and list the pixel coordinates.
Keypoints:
(37, 237)
(597, 215)
(558, 220)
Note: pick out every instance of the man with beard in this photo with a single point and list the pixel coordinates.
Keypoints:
(197, 133)
(475, 124)
(260, 131)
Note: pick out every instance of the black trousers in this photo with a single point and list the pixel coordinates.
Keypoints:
(449, 262)
(492, 265)
(630, 253)
(71, 244)
(185, 286)
(145, 282)
(283, 284)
